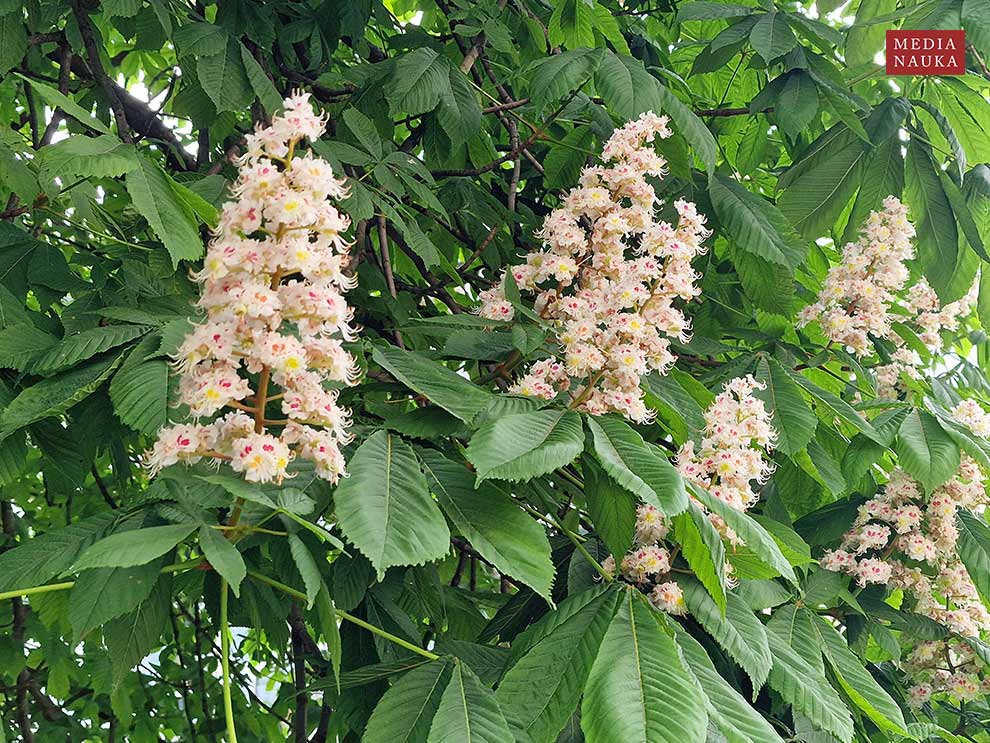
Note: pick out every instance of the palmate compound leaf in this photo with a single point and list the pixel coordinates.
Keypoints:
(637, 466)
(805, 688)
(468, 711)
(404, 714)
(728, 710)
(857, 682)
(738, 631)
(385, 507)
(540, 692)
(639, 690)
(524, 446)
(494, 525)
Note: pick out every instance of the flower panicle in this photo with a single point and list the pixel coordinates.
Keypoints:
(273, 284)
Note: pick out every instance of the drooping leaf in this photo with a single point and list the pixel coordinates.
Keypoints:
(756, 225)
(524, 446)
(102, 594)
(468, 711)
(169, 218)
(133, 547)
(223, 557)
(702, 547)
(792, 418)
(385, 507)
(925, 450)
(404, 714)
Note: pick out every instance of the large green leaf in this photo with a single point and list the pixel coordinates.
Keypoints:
(102, 157)
(638, 690)
(524, 446)
(468, 712)
(541, 690)
(106, 593)
(459, 112)
(419, 82)
(133, 547)
(224, 78)
(55, 395)
(404, 714)
(738, 631)
(805, 688)
(690, 127)
(637, 466)
(446, 388)
(735, 718)
(130, 638)
(974, 550)
(612, 508)
(42, 557)
(794, 420)
(857, 682)
(22, 343)
(702, 547)
(754, 224)
(156, 200)
(494, 525)
(385, 507)
(626, 87)
(84, 345)
(223, 557)
(937, 239)
(771, 37)
(140, 395)
(925, 450)
(556, 76)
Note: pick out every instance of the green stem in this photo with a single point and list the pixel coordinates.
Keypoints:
(18, 592)
(228, 705)
(575, 539)
(49, 587)
(289, 590)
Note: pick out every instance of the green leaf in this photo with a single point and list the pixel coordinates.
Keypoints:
(738, 631)
(106, 593)
(21, 344)
(330, 630)
(864, 39)
(494, 525)
(307, 567)
(169, 218)
(925, 450)
(839, 407)
(638, 690)
(224, 78)
(755, 225)
(805, 688)
(468, 712)
(976, 21)
(406, 711)
(541, 690)
(55, 395)
(612, 509)
(55, 99)
(735, 718)
(419, 82)
(756, 537)
(133, 547)
(262, 86)
(440, 385)
(702, 547)
(130, 638)
(385, 507)
(937, 237)
(84, 345)
(200, 39)
(626, 87)
(637, 466)
(524, 446)
(797, 103)
(771, 37)
(564, 162)
(240, 489)
(555, 76)
(364, 131)
(223, 557)
(140, 395)
(883, 176)
(690, 127)
(858, 684)
(100, 157)
(571, 24)
(44, 556)
(974, 550)
(793, 419)
(13, 40)
(459, 112)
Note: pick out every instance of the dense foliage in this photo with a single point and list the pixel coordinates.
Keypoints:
(710, 467)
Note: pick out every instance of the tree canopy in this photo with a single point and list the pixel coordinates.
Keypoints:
(622, 377)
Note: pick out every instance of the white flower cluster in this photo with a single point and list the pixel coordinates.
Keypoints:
(273, 283)
(864, 296)
(609, 279)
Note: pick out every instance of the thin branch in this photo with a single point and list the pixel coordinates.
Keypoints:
(386, 259)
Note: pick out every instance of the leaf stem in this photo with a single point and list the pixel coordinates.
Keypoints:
(344, 615)
(228, 705)
(50, 587)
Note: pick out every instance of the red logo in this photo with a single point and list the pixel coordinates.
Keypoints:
(926, 52)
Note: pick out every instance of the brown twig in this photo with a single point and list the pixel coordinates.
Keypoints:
(96, 66)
